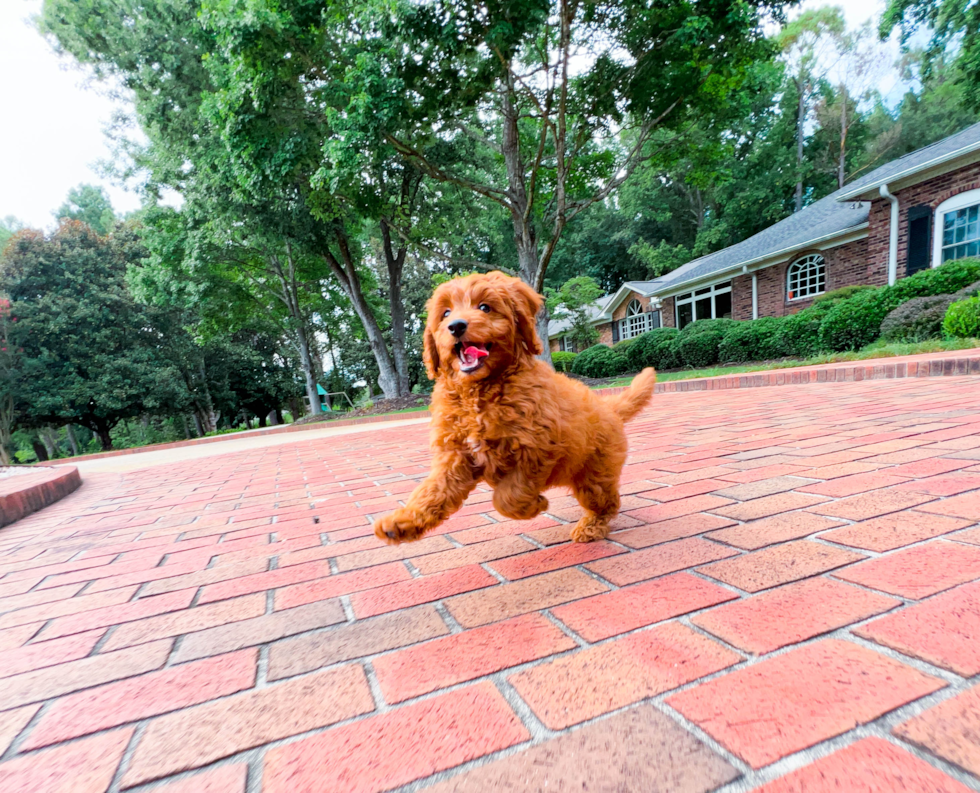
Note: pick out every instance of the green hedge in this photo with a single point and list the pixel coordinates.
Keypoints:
(752, 341)
(845, 319)
(599, 361)
(563, 361)
(963, 319)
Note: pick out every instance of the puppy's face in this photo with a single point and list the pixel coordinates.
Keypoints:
(479, 325)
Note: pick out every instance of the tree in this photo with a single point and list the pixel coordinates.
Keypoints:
(573, 303)
(807, 43)
(955, 26)
(544, 108)
(89, 351)
(91, 206)
(8, 227)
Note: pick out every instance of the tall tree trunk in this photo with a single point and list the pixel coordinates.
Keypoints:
(39, 450)
(6, 428)
(187, 429)
(70, 430)
(50, 445)
(800, 122)
(843, 137)
(396, 267)
(102, 429)
(199, 426)
(306, 364)
(290, 296)
(346, 273)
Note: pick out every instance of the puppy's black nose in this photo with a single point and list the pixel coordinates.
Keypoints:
(457, 327)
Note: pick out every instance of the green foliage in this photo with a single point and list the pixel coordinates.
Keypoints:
(89, 205)
(943, 280)
(563, 361)
(836, 295)
(917, 319)
(705, 325)
(573, 303)
(599, 361)
(851, 324)
(799, 334)
(700, 349)
(90, 354)
(963, 319)
(656, 348)
(660, 259)
(757, 340)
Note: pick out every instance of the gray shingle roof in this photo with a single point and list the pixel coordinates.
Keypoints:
(560, 326)
(832, 215)
(948, 148)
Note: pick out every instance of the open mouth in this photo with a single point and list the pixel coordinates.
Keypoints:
(471, 355)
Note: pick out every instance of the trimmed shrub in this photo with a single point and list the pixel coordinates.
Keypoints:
(599, 361)
(855, 322)
(653, 348)
(755, 340)
(917, 319)
(841, 294)
(799, 334)
(705, 325)
(963, 319)
(700, 349)
(563, 361)
(943, 280)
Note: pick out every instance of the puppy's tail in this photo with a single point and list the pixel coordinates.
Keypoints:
(629, 403)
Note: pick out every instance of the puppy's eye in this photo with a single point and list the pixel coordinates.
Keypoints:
(446, 313)
(484, 308)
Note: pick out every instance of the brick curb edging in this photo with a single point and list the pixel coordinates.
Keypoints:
(849, 373)
(830, 373)
(23, 494)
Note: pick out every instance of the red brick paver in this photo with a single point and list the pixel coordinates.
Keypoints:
(787, 563)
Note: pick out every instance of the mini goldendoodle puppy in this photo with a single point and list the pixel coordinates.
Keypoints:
(502, 416)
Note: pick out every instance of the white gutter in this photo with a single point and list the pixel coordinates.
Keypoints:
(755, 296)
(892, 235)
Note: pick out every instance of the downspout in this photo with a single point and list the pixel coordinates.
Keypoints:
(755, 291)
(892, 236)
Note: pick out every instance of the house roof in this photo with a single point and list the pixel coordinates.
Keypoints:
(943, 155)
(833, 220)
(558, 327)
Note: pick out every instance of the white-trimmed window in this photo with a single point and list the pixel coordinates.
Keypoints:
(957, 228)
(636, 321)
(565, 344)
(711, 302)
(806, 277)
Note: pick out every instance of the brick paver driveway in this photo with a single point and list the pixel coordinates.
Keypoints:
(791, 600)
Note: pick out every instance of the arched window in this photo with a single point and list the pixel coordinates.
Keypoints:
(635, 321)
(957, 227)
(806, 277)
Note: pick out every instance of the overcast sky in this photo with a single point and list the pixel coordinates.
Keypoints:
(51, 128)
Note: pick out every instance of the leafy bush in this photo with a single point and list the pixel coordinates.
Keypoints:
(653, 348)
(700, 349)
(599, 361)
(706, 325)
(855, 322)
(944, 280)
(841, 294)
(963, 319)
(563, 361)
(799, 334)
(757, 340)
(917, 319)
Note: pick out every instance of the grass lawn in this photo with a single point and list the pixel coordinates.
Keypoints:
(877, 350)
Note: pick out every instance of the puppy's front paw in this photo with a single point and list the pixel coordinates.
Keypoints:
(396, 528)
(590, 529)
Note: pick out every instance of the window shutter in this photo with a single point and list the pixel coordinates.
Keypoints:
(920, 247)
(615, 330)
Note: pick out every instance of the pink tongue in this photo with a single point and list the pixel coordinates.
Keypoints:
(475, 352)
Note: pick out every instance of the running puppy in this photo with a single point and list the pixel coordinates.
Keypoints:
(502, 416)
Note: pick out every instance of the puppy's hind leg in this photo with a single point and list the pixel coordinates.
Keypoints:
(596, 487)
(516, 498)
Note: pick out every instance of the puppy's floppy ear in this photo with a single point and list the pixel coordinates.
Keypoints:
(527, 304)
(430, 353)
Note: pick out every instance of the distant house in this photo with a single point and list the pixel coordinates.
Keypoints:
(915, 212)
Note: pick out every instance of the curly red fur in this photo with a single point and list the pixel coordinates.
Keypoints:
(513, 422)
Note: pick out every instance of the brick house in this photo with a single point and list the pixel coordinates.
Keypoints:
(915, 212)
